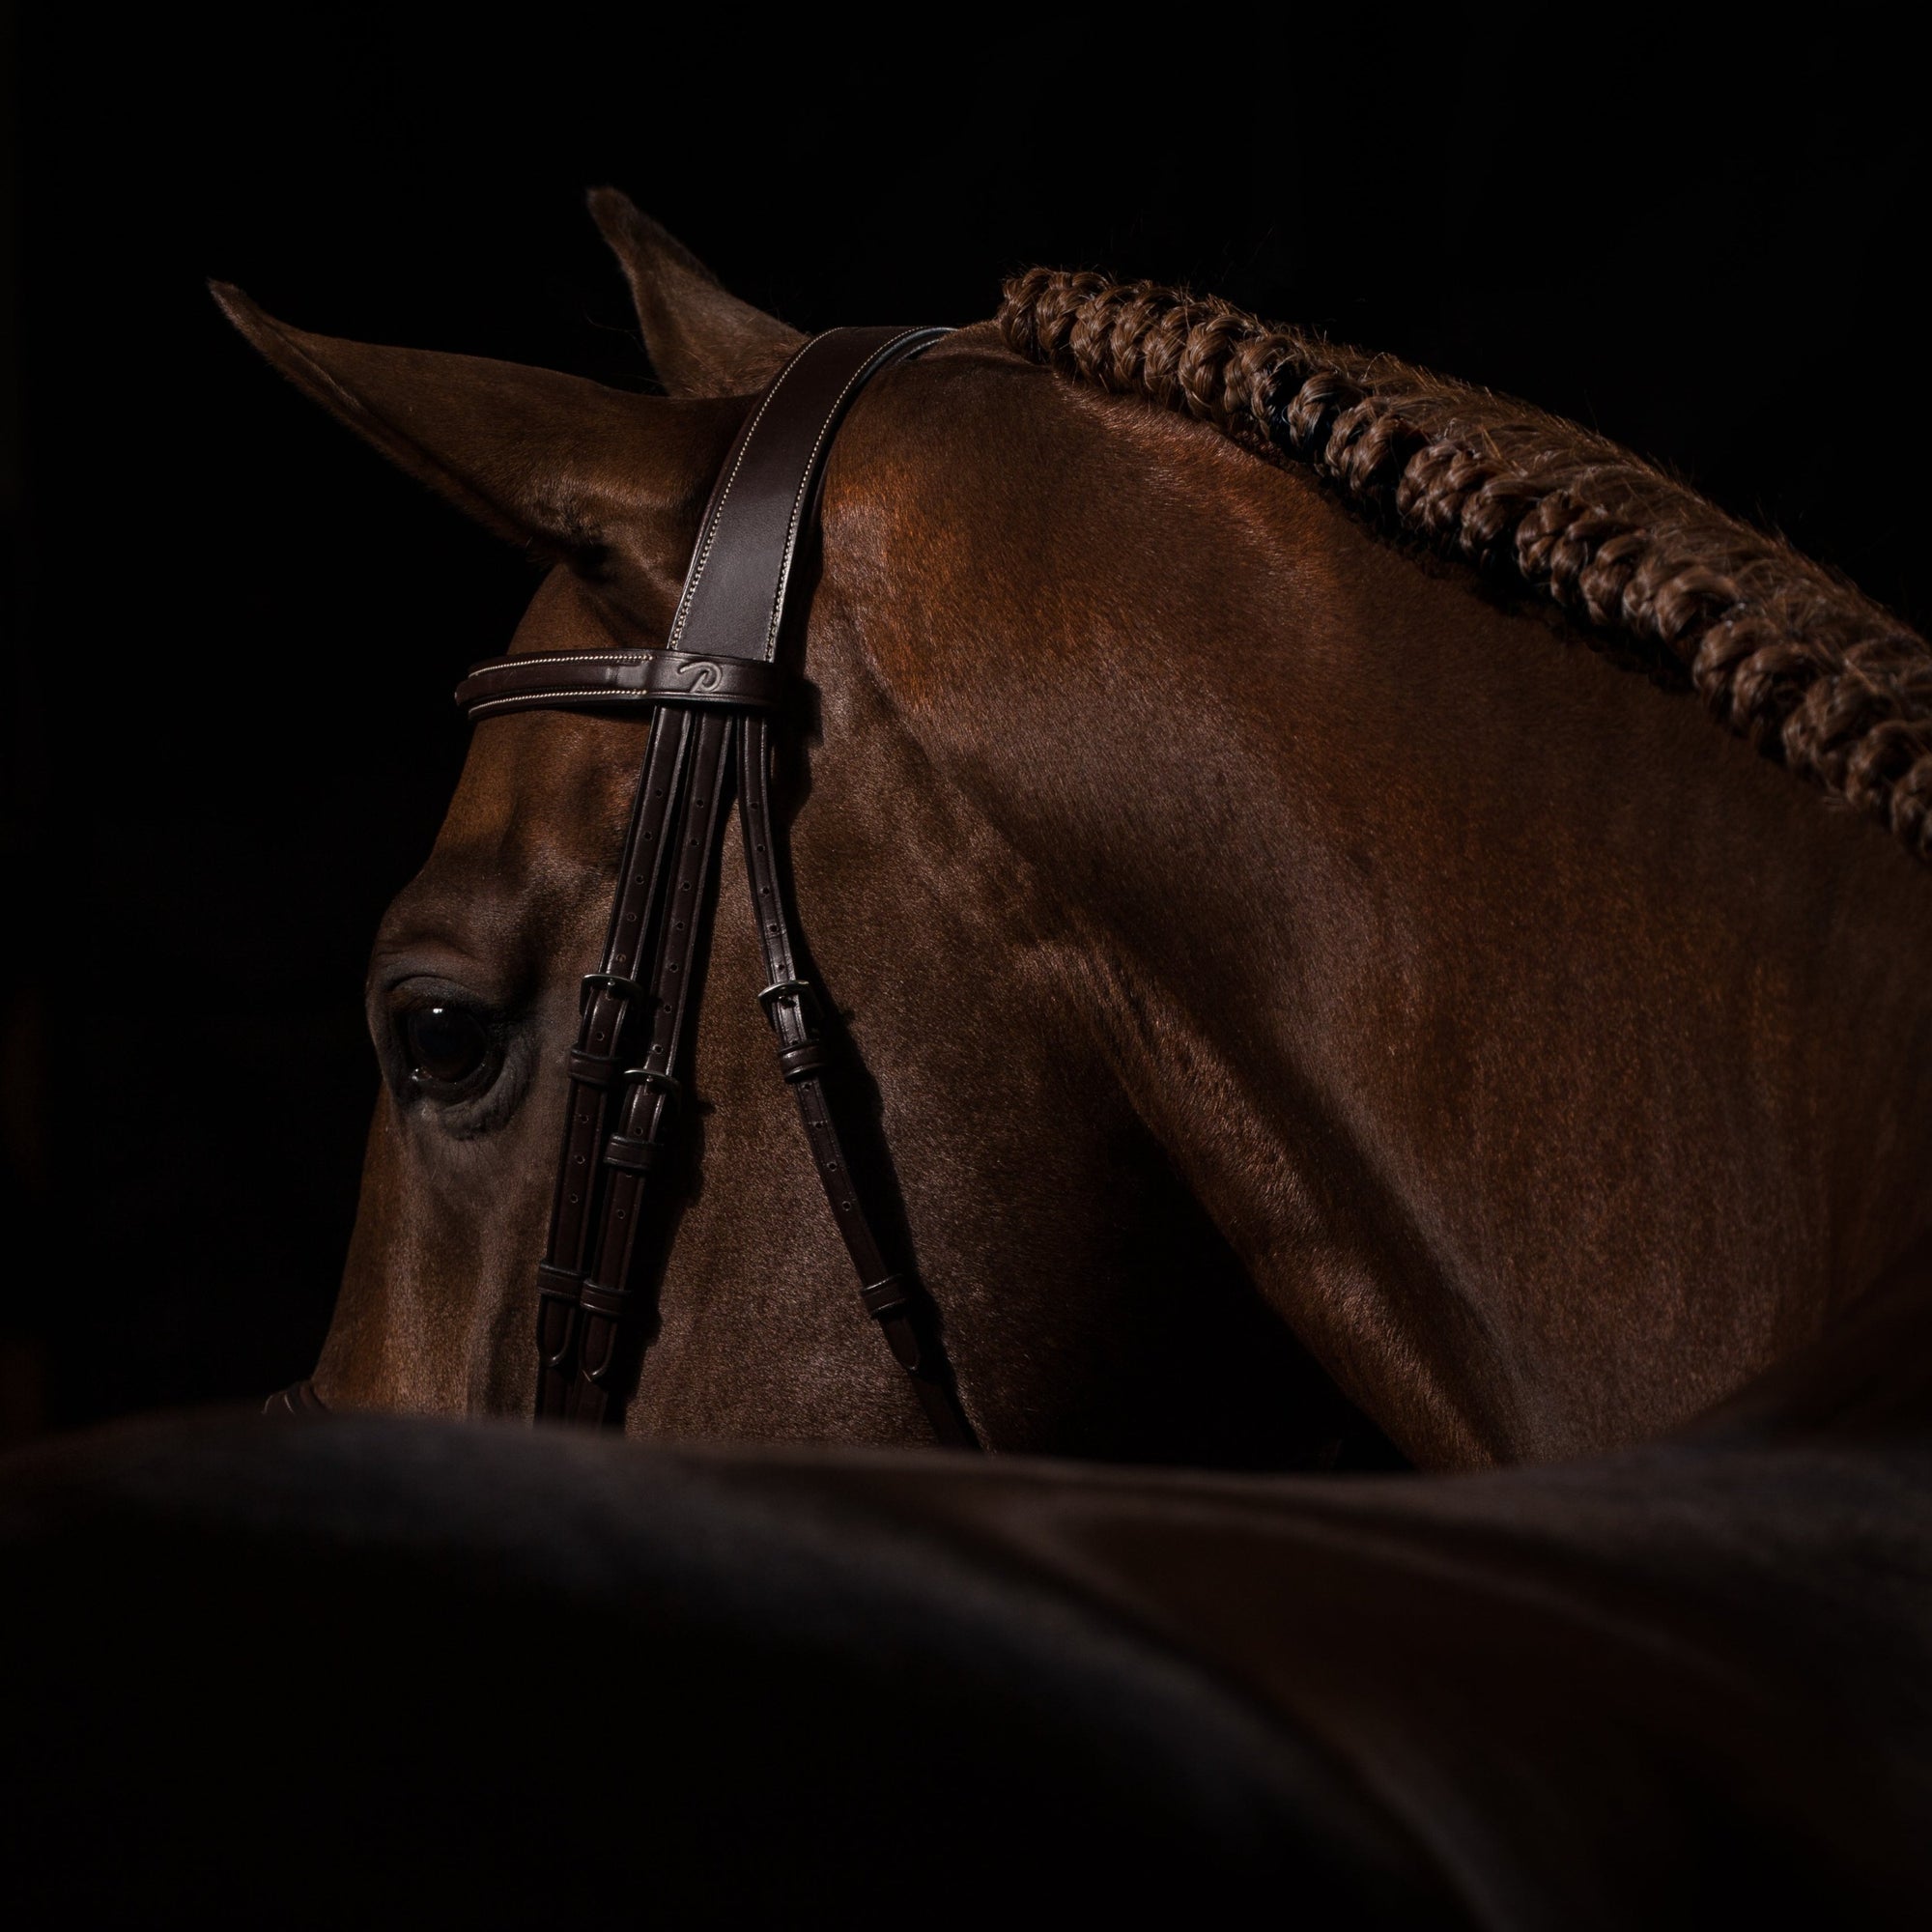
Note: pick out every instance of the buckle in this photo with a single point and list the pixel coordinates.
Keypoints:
(612, 982)
(653, 1082)
(801, 990)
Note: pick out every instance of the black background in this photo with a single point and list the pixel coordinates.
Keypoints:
(1713, 254)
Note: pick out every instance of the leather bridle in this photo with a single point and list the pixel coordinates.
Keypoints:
(715, 694)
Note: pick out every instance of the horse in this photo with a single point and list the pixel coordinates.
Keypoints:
(1522, 909)
(404, 1670)
(1330, 989)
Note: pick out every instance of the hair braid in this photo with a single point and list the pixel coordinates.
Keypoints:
(1782, 652)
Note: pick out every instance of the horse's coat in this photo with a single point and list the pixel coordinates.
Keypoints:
(1261, 942)
(407, 1673)
(1383, 971)
(1783, 652)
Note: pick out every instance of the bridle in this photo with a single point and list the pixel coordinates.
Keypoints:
(715, 694)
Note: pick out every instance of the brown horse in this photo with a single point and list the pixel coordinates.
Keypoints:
(1280, 931)
(459, 1675)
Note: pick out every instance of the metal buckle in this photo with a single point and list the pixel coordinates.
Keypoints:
(785, 989)
(654, 1082)
(613, 982)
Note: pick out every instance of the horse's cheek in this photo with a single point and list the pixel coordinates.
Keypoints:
(357, 1369)
(397, 1339)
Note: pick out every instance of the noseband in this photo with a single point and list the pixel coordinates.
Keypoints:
(714, 694)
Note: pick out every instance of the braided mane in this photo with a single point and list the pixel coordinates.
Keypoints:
(1784, 653)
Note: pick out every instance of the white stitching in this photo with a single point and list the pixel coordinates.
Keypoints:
(725, 497)
(490, 665)
(597, 695)
(873, 362)
(640, 659)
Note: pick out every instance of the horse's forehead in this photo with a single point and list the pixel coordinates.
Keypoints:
(542, 801)
(565, 615)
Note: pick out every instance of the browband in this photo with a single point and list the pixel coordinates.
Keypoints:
(578, 680)
(711, 695)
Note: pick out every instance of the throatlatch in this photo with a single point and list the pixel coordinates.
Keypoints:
(712, 692)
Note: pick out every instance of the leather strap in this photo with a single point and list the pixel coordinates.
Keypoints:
(297, 1399)
(712, 692)
(618, 679)
(805, 1055)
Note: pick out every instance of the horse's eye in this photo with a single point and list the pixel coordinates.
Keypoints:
(446, 1044)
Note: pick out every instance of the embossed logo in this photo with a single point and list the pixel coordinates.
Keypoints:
(700, 674)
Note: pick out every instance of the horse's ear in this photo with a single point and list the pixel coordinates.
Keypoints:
(701, 340)
(606, 481)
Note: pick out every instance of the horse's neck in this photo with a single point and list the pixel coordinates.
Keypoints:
(1597, 1043)
(1552, 1059)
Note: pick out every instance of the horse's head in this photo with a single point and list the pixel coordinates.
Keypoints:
(1071, 1264)
(1262, 948)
